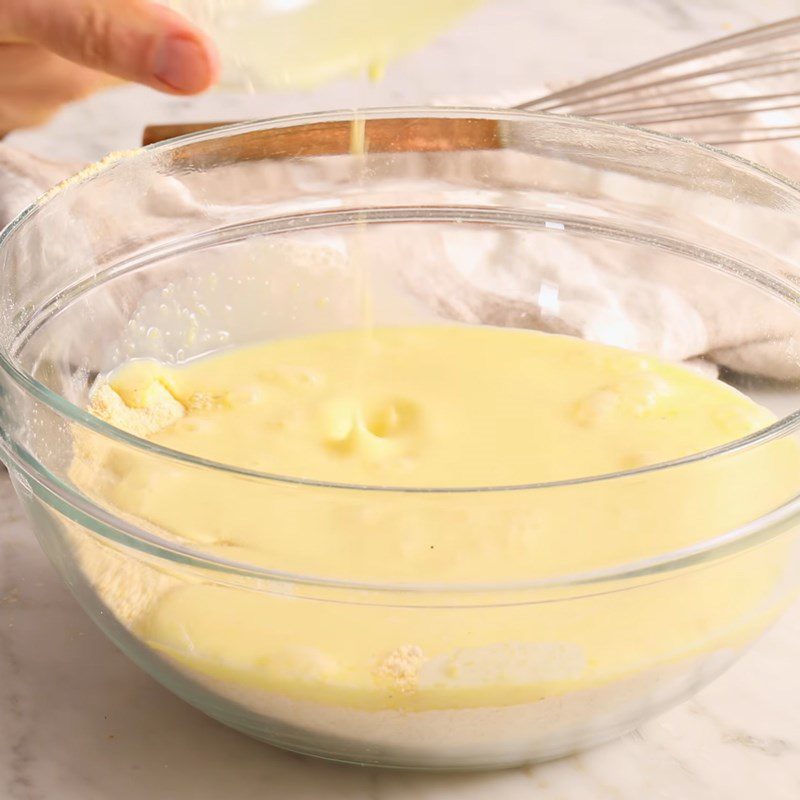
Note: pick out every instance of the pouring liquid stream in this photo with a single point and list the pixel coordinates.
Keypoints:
(360, 267)
(363, 303)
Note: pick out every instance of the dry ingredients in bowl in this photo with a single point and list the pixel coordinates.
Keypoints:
(438, 406)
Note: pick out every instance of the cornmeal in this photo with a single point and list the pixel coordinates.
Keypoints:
(442, 407)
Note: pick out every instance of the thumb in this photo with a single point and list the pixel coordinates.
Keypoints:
(131, 39)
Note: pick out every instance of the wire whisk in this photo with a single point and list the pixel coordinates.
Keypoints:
(737, 90)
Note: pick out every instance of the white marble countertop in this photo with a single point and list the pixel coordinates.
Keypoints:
(78, 721)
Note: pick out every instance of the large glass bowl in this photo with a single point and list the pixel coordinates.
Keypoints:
(249, 233)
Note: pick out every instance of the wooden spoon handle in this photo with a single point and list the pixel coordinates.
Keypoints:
(333, 138)
(160, 133)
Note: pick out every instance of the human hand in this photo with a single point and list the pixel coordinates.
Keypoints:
(55, 51)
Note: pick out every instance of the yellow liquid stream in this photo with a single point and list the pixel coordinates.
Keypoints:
(443, 407)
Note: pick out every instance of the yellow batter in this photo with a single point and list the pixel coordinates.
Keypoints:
(437, 407)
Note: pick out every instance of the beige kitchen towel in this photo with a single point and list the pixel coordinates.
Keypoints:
(598, 291)
(24, 177)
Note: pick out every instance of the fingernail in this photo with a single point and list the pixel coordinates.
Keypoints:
(182, 64)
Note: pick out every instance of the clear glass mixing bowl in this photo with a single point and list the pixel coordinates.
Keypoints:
(248, 233)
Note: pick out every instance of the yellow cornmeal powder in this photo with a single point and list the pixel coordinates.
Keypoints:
(89, 171)
(401, 667)
(442, 406)
(159, 410)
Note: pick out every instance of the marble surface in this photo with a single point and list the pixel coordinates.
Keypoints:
(80, 722)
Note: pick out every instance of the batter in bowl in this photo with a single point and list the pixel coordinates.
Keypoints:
(431, 407)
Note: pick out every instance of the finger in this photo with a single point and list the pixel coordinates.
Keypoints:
(131, 39)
